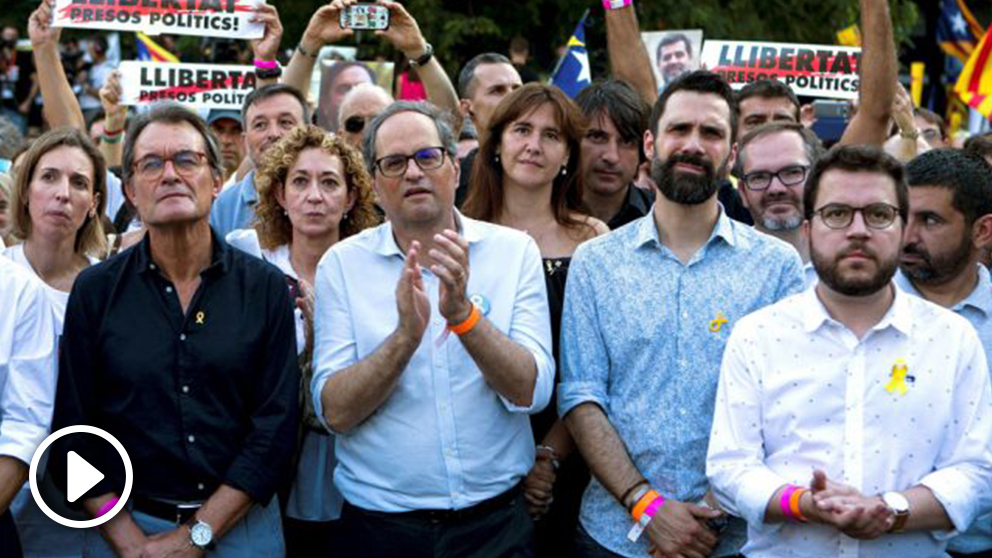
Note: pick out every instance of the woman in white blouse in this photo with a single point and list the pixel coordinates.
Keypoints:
(313, 190)
(58, 199)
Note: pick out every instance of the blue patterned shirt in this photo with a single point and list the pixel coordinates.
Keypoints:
(643, 336)
(977, 309)
(235, 207)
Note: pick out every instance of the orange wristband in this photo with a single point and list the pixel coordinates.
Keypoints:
(794, 505)
(643, 504)
(469, 323)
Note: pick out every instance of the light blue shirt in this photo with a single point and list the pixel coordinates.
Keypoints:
(643, 336)
(235, 207)
(977, 309)
(443, 439)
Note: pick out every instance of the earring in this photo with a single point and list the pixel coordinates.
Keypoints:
(564, 170)
(497, 157)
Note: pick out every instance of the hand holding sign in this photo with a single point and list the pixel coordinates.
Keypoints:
(267, 47)
(40, 28)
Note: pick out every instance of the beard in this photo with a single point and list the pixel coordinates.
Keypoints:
(828, 269)
(934, 270)
(687, 189)
(782, 222)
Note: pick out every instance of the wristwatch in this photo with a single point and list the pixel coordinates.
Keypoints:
(201, 535)
(424, 58)
(899, 506)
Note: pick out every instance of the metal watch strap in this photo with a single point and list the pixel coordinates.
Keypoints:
(425, 58)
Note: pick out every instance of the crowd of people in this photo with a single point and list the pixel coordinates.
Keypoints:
(500, 322)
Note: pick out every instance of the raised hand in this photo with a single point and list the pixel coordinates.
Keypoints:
(325, 27)
(110, 98)
(40, 29)
(267, 47)
(403, 31)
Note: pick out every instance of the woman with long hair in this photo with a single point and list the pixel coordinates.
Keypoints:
(526, 177)
(313, 190)
(57, 204)
(56, 210)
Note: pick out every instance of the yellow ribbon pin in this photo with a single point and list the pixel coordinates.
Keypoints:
(199, 317)
(717, 323)
(898, 382)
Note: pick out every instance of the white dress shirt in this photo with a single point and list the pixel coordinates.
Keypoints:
(57, 299)
(27, 362)
(443, 439)
(798, 391)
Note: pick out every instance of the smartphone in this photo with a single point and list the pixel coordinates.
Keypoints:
(831, 109)
(365, 16)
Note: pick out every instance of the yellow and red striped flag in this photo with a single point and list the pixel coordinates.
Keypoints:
(974, 85)
(149, 50)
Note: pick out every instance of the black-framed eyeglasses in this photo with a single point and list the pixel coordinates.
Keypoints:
(428, 158)
(840, 216)
(186, 163)
(355, 124)
(789, 176)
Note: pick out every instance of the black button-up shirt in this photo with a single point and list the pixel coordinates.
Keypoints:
(637, 204)
(197, 400)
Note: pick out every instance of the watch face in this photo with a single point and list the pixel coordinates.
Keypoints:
(896, 501)
(201, 534)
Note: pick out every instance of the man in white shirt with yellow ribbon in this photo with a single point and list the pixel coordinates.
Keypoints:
(853, 419)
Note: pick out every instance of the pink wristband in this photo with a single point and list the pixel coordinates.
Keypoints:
(616, 4)
(784, 501)
(265, 64)
(654, 506)
(107, 506)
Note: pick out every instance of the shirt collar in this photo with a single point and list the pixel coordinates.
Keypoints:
(386, 245)
(647, 230)
(980, 297)
(899, 316)
(220, 255)
(249, 195)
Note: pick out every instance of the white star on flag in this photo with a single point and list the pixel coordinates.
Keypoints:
(959, 24)
(583, 59)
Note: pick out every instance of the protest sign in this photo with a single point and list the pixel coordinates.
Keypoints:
(207, 18)
(673, 53)
(194, 85)
(814, 70)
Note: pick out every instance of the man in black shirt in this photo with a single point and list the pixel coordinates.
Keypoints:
(184, 350)
(612, 151)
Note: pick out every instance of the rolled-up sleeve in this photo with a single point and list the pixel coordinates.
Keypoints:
(265, 460)
(962, 479)
(28, 396)
(531, 328)
(585, 365)
(735, 464)
(335, 345)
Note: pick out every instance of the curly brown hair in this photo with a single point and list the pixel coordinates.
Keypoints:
(272, 223)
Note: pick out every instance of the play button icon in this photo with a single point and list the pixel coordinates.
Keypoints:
(81, 476)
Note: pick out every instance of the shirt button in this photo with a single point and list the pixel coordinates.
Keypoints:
(151, 266)
(191, 438)
(200, 486)
(185, 389)
(685, 314)
(168, 289)
(182, 336)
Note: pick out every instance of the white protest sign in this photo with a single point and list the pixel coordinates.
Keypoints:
(815, 70)
(207, 18)
(194, 85)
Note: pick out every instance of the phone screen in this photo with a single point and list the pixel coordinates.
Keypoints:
(365, 16)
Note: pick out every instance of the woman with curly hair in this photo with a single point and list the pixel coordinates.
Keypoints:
(526, 177)
(313, 190)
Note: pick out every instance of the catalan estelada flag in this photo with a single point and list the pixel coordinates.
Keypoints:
(150, 51)
(957, 29)
(572, 72)
(974, 85)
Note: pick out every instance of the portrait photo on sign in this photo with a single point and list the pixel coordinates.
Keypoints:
(338, 77)
(673, 52)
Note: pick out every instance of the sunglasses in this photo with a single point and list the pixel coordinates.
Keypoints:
(355, 124)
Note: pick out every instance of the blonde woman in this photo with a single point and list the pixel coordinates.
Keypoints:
(313, 190)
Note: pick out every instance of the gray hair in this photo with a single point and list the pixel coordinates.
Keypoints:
(11, 138)
(170, 113)
(441, 120)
